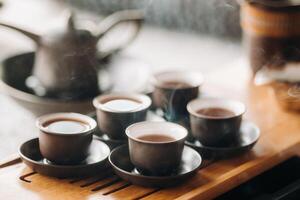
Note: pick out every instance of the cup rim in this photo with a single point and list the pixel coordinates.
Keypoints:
(155, 123)
(191, 110)
(66, 115)
(195, 79)
(144, 99)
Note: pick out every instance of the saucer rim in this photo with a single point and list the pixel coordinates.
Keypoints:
(207, 117)
(145, 101)
(154, 177)
(158, 83)
(68, 115)
(27, 159)
(216, 148)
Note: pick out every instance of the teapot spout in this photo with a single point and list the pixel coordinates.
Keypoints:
(36, 38)
(136, 17)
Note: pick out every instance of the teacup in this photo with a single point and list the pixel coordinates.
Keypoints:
(156, 148)
(215, 121)
(115, 112)
(173, 90)
(64, 138)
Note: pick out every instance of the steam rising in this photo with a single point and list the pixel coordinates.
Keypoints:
(294, 91)
(214, 16)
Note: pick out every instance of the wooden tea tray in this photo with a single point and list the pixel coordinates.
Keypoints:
(280, 136)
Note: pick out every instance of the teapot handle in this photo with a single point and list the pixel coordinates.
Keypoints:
(134, 16)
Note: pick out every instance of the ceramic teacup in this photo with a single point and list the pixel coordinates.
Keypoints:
(173, 90)
(64, 138)
(155, 148)
(215, 121)
(115, 112)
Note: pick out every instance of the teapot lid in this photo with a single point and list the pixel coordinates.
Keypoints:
(276, 4)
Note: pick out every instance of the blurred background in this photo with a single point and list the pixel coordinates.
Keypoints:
(215, 17)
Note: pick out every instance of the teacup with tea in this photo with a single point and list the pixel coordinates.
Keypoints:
(116, 111)
(215, 121)
(174, 89)
(65, 138)
(155, 148)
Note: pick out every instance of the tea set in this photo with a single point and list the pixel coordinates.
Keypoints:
(150, 152)
(155, 138)
(72, 62)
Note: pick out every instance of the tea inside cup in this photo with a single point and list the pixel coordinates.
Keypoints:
(155, 148)
(65, 123)
(215, 121)
(122, 102)
(178, 79)
(156, 132)
(216, 108)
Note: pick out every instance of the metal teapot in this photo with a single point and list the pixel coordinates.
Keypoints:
(66, 60)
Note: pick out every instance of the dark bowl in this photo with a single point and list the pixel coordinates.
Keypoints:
(62, 148)
(156, 157)
(113, 122)
(215, 130)
(173, 99)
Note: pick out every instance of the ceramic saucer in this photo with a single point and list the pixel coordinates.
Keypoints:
(94, 163)
(120, 161)
(249, 135)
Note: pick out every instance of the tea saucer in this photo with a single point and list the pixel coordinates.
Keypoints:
(120, 161)
(94, 163)
(249, 135)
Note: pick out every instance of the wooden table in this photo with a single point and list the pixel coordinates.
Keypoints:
(280, 136)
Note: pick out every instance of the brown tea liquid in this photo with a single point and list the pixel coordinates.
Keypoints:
(176, 84)
(122, 104)
(156, 138)
(216, 112)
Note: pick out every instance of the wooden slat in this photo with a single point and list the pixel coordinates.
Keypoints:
(135, 193)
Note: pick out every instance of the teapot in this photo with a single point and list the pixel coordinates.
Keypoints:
(66, 60)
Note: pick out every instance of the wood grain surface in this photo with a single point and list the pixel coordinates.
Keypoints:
(279, 140)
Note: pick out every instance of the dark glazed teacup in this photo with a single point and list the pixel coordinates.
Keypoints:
(65, 147)
(173, 90)
(215, 121)
(155, 148)
(113, 119)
